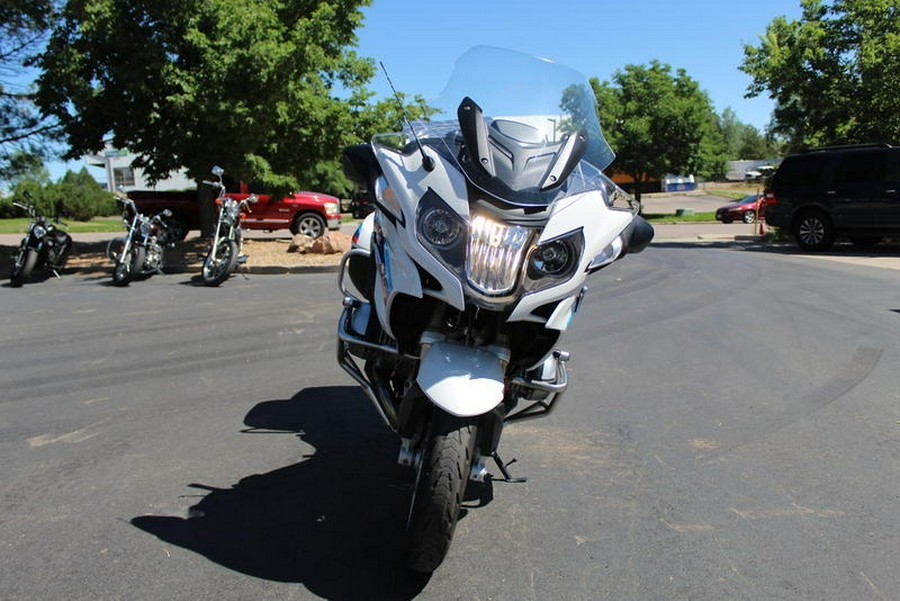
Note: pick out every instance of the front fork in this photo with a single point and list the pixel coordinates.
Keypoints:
(234, 233)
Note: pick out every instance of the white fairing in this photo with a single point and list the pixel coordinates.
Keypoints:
(461, 380)
(363, 237)
(406, 182)
(397, 274)
(601, 227)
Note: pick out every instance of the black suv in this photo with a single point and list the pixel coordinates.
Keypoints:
(851, 191)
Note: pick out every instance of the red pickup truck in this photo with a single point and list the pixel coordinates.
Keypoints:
(310, 213)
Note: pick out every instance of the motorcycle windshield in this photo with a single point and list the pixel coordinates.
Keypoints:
(522, 129)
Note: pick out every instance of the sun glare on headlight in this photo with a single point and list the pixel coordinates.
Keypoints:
(495, 255)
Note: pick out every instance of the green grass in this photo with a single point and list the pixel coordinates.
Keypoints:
(709, 217)
(727, 194)
(101, 224)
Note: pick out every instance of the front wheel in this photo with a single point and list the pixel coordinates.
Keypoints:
(440, 486)
(220, 262)
(22, 266)
(127, 265)
(308, 224)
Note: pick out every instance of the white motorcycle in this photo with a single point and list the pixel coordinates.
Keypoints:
(489, 218)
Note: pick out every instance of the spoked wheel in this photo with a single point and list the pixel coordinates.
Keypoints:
(813, 231)
(439, 490)
(128, 265)
(22, 265)
(308, 224)
(220, 262)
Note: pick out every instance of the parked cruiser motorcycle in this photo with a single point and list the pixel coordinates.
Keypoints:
(488, 220)
(140, 252)
(45, 247)
(225, 252)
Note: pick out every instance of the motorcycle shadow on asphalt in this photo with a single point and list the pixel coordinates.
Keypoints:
(334, 522)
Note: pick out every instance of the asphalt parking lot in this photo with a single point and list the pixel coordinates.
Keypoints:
(730, 432)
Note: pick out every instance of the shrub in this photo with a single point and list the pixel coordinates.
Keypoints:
(81, 197)
(76, 196)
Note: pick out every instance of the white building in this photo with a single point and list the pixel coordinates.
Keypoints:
(119, 173)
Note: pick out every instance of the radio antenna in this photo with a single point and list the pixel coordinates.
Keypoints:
(427, 161)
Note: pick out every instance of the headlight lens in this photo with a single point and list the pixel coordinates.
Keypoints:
(38, 231)
(232, 209)
(332, 207)
(552, 258)
(441, 228)
(495, 255)
(554, 261)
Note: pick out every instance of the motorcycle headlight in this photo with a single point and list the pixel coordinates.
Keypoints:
(441, 230)
(440, 227)
(145, 228)
(554, 260)
(38, 231)
(495, 255)
(232, 209)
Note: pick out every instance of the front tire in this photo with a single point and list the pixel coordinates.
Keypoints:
(23, 265)
(440, 487)
(220, 263)
(127, 265)
(308, 224)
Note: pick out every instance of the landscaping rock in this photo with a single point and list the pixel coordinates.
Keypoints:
(327, 244)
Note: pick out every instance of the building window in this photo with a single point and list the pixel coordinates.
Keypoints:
(123, 176)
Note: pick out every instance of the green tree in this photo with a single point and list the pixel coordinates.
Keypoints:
(271, 91)
(833, 73)
(76, 196)
(659, 123)
(744, 141)
(79, 196)
(25, 135)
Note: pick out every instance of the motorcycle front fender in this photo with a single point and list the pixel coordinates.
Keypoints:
(461, 380)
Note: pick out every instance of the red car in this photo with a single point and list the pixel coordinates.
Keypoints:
(747, 209)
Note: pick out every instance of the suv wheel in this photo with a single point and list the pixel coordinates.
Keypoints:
(813, 231)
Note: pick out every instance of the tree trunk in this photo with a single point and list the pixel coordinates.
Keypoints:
(206, 197)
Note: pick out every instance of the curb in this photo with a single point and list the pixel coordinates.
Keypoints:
(288, 269)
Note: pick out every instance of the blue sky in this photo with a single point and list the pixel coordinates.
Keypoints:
(418, 40)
